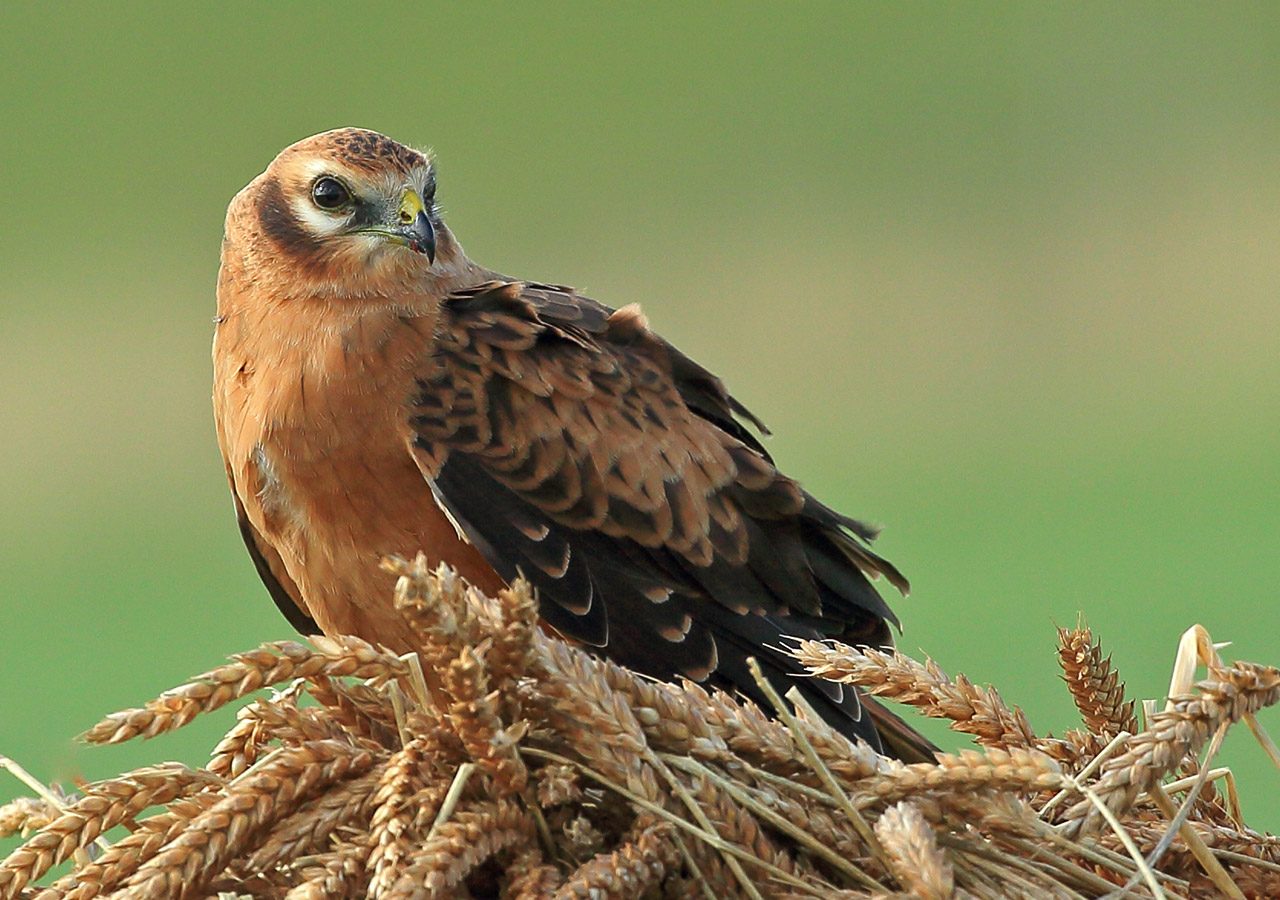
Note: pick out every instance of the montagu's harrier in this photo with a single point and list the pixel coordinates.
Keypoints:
(378, 392)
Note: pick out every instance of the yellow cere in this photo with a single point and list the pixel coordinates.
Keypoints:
(410, 206)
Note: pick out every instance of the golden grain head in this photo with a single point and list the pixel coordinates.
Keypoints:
(499, 761)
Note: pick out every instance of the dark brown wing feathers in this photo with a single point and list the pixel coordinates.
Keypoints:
(575, 447)
(270, 569)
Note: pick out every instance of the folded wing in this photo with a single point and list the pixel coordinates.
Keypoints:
(574, 447)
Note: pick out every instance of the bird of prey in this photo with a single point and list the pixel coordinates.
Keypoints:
(376, 392)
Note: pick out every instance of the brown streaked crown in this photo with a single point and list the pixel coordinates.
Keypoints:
(359, 148)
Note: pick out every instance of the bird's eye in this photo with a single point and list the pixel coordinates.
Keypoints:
(330, 193)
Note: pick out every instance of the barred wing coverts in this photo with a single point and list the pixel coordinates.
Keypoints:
(572, 445)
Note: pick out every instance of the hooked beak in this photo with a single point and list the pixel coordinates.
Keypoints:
(415, 225)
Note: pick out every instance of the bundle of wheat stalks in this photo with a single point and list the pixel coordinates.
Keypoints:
(502, 762)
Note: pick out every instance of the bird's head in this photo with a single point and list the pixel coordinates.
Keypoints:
(347, 211)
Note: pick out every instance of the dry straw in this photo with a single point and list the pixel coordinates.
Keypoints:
(502, 762)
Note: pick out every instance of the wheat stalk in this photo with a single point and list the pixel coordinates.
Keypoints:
(454, 848)
(972, 709)
(270, 664)
(391, 831)
(260, 797)
(918, 864)
(1242, 689)
(24, 815)
(499, 760)
(635, 867)
(104, 806)
(1095, 686)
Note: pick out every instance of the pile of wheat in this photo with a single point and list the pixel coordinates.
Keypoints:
(500, 762)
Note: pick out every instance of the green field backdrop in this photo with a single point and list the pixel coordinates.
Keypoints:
(1004, 278)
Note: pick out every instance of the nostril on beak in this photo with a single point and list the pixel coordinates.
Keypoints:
(406, 217)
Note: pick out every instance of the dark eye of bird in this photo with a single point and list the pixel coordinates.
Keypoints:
(330, 193)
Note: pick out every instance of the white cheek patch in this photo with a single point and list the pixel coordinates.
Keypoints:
(316, 220)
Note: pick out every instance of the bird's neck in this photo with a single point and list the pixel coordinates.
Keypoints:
(345, 337)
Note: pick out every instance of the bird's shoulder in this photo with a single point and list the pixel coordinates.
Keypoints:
(550, 338)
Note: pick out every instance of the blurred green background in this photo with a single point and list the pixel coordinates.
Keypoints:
(1002, 277)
